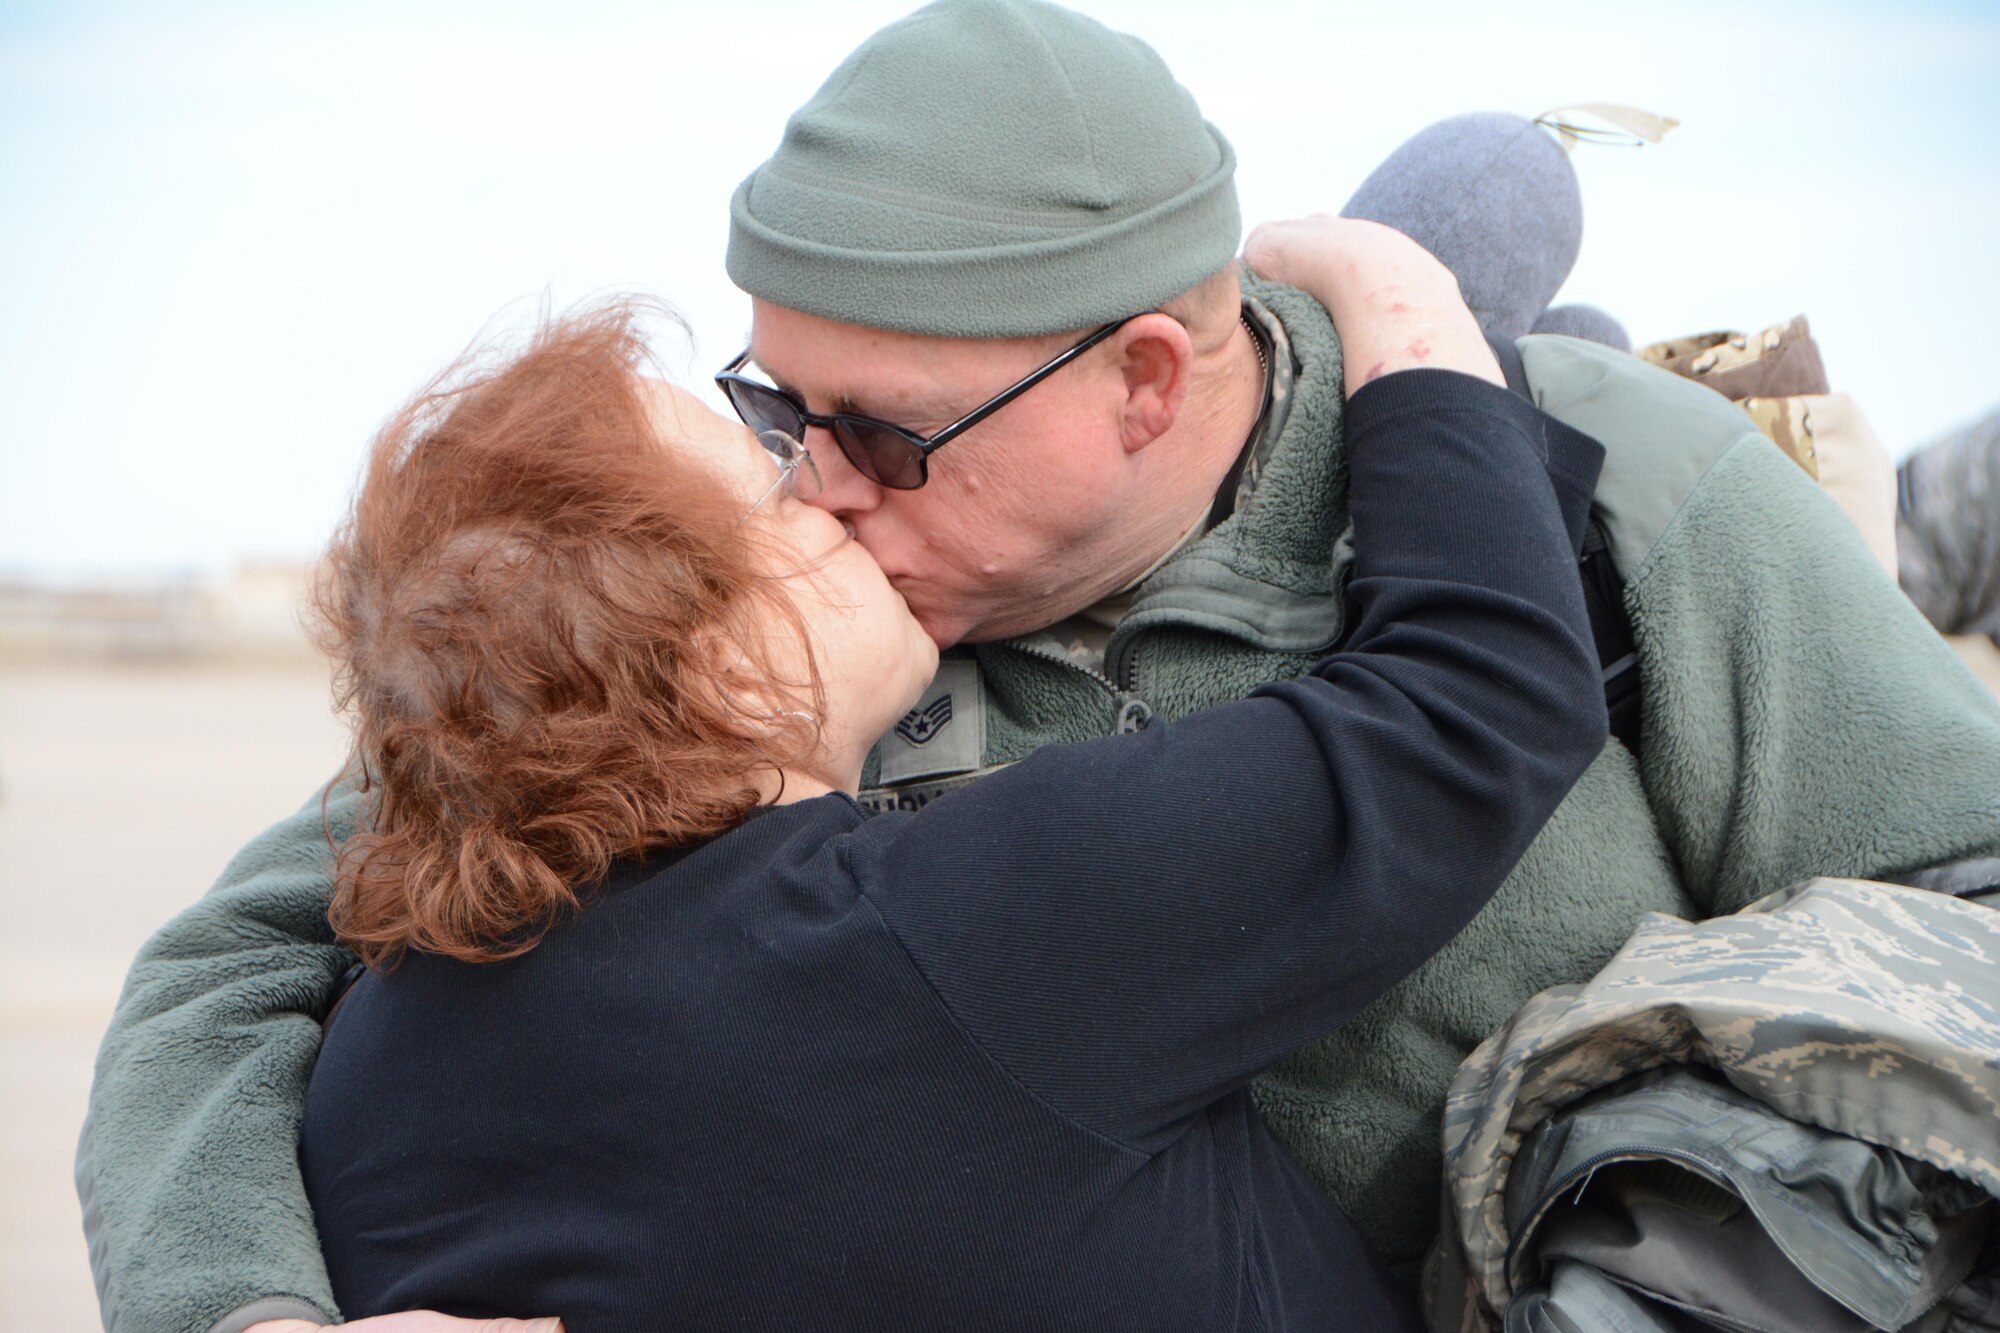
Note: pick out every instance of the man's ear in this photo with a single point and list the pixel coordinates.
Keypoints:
(1156, 356)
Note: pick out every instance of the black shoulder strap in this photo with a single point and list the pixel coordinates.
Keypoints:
(1617, 654)
(1511, 365)
(1603, 592)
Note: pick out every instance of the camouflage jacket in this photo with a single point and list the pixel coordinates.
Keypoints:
(1783, 1120)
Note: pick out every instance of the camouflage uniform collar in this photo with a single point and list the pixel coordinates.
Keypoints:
(1281, 374)
(1264, 575)
(1084, 635)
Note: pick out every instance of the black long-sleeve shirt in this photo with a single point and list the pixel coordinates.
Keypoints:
(985, 1065)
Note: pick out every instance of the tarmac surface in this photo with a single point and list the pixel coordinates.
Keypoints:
(123, 791)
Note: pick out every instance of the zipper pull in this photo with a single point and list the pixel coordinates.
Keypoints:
(1134, 714)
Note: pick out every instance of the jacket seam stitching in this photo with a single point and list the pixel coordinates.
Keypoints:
(1644, 572)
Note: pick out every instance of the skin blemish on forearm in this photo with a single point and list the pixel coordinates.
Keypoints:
(1376, 372)
(1420, 349)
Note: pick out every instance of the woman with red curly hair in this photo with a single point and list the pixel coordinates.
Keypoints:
(661, 1028)
(564, 640)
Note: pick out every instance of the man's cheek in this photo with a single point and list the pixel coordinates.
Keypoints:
(943, 619)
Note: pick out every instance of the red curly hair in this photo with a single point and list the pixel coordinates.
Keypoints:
(526, 610)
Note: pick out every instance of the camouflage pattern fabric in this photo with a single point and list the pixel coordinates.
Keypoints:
(1777, 377)
(1677, 354)
(1948, 529)
(1866, 1009)
(1782, 361)
(1715, 1211)
(1787, 423)
(1773, 373)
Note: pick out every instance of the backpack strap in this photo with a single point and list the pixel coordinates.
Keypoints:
(1603, 593)
(1511, 365)
(1617, 653)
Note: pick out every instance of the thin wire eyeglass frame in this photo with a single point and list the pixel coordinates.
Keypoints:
(798, 479)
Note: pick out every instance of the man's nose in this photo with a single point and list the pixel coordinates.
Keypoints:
(843, 490)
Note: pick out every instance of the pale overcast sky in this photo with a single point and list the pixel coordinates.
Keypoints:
(234, 236)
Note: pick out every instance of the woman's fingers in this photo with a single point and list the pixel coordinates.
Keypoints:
(1395, 306)
(1276, 250)
(1327, 251)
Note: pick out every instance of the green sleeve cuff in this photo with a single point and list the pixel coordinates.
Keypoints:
(274, 1307)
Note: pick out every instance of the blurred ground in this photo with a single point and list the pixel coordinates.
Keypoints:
(122, 793)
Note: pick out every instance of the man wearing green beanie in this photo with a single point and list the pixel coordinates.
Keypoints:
(992, 189)
(979, 182)
(1160, 526)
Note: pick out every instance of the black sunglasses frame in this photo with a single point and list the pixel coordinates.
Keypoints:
(921, 447)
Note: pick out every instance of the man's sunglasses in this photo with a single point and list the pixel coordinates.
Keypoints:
(883, 452)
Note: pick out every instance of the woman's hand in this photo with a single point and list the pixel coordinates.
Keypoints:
(412, 1321)
(1393, 304)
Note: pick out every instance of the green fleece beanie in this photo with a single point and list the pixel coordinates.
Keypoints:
(989, 169)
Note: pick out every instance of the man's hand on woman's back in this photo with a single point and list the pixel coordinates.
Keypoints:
(412, 1321)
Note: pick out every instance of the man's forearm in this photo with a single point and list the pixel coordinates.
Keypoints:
(189, 1168)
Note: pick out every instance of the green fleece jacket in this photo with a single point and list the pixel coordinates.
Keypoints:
(1801, 719)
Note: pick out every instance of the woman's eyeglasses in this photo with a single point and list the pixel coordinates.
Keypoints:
(798, 475)
(797, 479)
(885, 453)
